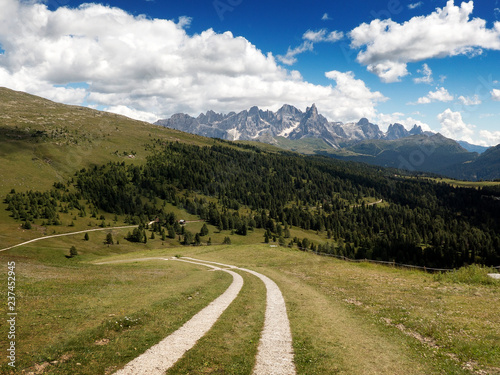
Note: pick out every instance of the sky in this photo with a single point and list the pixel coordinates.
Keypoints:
(434, 63)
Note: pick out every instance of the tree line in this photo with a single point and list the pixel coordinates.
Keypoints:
(420, 222)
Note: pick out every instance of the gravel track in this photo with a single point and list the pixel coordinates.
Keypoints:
(160, 357)
(275, 351)
(67, 234)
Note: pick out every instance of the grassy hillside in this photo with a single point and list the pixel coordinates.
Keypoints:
(42, 142)
(81, 318)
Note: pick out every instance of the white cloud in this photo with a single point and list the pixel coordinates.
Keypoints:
(132, 113)
(415, 5)
(353, 99)
(440, 95)
(453, 126)
(310, 37)
(388, 46)
(475, 100)
(495, 94)
(322, 36)
(426, 75)
(388, 71)
(151, 68)
(325, 17)
(489, 138)
(289, 58)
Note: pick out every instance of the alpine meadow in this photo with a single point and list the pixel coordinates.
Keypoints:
(235, 187)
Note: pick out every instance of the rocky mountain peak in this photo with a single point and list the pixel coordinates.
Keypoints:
(288, 122)
(363, 122)
(254, 111)
(416, 130)
(396, 131)
(312, 111)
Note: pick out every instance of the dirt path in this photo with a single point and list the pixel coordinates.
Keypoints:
(67, 234)
(275, 351)
(374, 203)
(160, 357)
(368, 204)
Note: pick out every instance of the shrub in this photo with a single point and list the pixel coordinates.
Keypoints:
(473, 274)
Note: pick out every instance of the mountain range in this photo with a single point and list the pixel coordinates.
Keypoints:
(288, 122)
(362, 141)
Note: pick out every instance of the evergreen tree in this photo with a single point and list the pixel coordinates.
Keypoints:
(188, 237)
(204, 230)
(171, 231)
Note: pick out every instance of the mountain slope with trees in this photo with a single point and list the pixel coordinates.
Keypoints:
(243, 188)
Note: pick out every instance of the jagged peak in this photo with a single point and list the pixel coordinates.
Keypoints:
(397, 126)
(363, 121)
(254, 109)
(288, 108)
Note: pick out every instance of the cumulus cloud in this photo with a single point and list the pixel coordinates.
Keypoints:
(152, 68)
(440, 95)
(475, 100)
(426, 75)
(454, 127)
(325, 17)
(354, 99)
(489, 138)
(495, 94)
(388, 46)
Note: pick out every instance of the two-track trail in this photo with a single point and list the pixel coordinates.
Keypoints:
(275, 352)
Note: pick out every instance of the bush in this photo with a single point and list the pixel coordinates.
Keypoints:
(73, 252)
(473, 274)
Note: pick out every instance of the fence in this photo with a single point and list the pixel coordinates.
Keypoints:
(393, 264)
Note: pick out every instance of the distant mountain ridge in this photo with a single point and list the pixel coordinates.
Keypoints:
(362, 141)
(288, 122)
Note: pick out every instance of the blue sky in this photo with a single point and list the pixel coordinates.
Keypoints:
(431, 62)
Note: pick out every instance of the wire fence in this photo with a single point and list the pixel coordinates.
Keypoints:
(387, 263)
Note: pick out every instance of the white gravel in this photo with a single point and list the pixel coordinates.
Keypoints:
(275, 352)
(160, 357)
